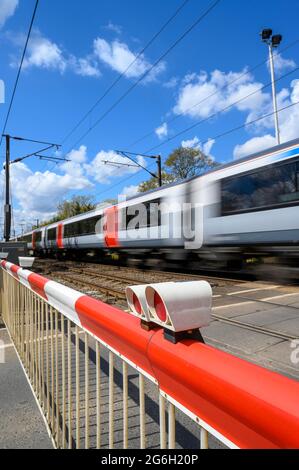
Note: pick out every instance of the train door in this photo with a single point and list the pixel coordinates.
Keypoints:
(110, 227)
(60, 236)
(33, 240)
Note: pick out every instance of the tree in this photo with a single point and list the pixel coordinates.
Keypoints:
(76, 205)
(187, 162)
(181, 164)
(153, 182)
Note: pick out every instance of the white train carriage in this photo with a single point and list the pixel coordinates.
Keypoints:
(248, 203)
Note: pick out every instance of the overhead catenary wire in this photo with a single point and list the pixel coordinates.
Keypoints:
(226, 108)
(206, 98)
(147, 72)
(215, 137)
(19, 71)
(122, 74)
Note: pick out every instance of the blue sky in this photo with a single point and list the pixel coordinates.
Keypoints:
(77, 50)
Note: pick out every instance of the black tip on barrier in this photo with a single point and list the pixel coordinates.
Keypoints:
(148, 325)
(176, 336)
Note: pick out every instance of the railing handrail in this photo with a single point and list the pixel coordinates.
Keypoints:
(250, 406)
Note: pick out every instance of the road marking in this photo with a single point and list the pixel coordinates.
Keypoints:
(5, 346)
(252, 290)
(234, 305)
(279, 296)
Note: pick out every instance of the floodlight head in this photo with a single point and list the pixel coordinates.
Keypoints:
(137, 302)
(276, 40)
(266, 34)
(179, 306)
(26, 261)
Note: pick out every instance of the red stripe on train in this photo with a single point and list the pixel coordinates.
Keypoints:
(60, 236)
(111, 227)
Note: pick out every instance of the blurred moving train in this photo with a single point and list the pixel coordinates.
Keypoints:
(248, 213)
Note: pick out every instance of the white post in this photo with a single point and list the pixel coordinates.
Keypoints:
(271, 61)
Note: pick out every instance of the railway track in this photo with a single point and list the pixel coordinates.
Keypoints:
(109, 282)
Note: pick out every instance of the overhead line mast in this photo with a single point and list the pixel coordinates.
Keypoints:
(8, 162)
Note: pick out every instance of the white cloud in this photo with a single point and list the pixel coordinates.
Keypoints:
(288, 123)
(196, 144)
(191, 143)
(118, 56)
(254, 145)
(44, 53)
(280, 63)
(207, 146)
(86, 67)
(216, 92)
(103, 172)
(162, 131)
(172, 83)
(7, 9)
(115, 28)
(43, 190)
(130, 191)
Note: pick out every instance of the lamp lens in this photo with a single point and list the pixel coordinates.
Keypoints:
(160, 307)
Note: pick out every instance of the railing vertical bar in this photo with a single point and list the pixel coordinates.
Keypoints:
(111, 400)
(77, 390)
(98, 394)
(162, 422)
(69, 380)
(23, 323)
(38, 338)
(204, 438)
(33, 303)
(171, 426)
(63, 382)
(27, 329)
(47, 363)
(42, 356)
(57, 380)
(142, 411)
(52, 369)
(33, 337)
(125, 405)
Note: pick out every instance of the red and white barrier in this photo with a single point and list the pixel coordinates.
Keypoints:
(245, 404)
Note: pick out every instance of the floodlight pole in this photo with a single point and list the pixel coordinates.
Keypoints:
(271, 61)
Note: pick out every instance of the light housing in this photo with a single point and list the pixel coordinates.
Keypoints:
(179, 306)
(26, 261)
(276, 40)
(266, 34)
(137, 302)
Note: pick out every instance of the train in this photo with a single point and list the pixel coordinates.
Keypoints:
(236, 215)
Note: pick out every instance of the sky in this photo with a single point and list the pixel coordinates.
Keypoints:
(78, 49)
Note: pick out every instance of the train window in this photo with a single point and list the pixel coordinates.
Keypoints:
(51, 234)
(143, 215)
(81, 227)
(38, 236)
(269, 187)
(27, 238)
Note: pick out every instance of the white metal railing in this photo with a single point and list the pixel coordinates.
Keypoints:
(90, 396)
